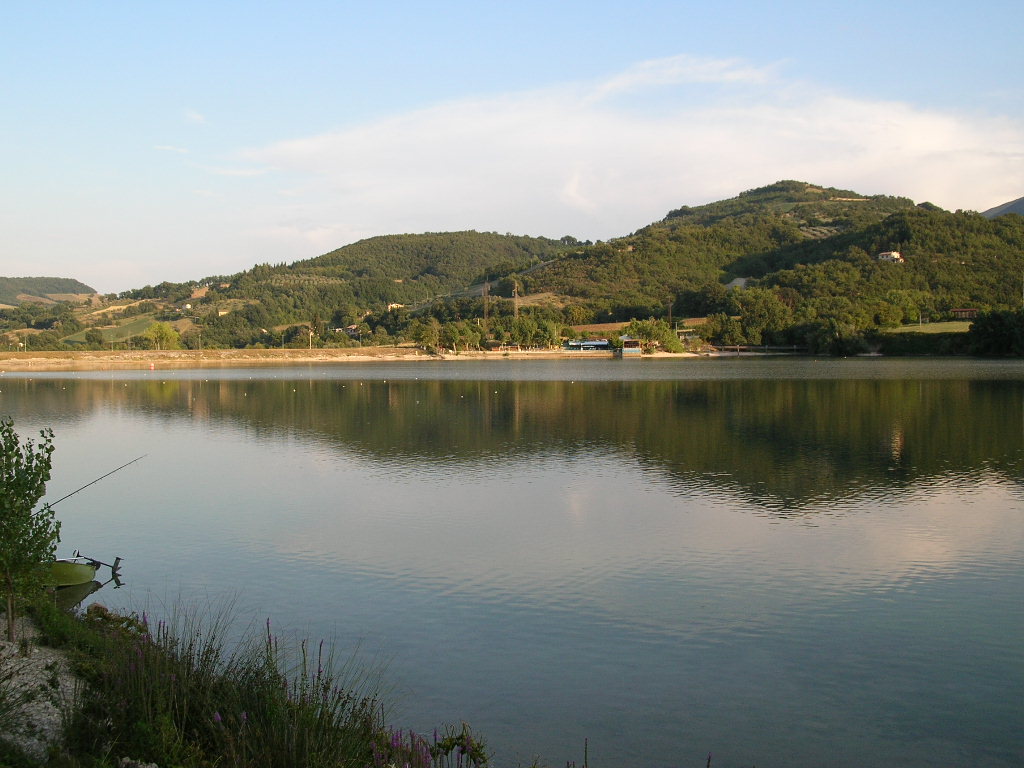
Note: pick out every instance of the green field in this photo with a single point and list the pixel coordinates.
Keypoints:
(136, 327)
(950, 326)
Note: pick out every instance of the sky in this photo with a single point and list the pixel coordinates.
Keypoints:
(150, 141)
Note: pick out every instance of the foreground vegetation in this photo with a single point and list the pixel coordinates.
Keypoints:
(175, 694)
(28, 536)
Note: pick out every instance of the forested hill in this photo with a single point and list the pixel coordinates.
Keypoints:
(712, 244)
(342, 287)
(408, 268)
(394, 269)
(15, 290)
(815, 211)
(813, 242)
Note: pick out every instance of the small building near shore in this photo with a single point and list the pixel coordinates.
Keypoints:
(588, 345)
(630, 347)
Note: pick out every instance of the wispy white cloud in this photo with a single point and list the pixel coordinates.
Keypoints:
(683, 69)
(192, 116)
(599, 160)
(239, 171)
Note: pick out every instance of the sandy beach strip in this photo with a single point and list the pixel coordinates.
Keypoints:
(100, 360)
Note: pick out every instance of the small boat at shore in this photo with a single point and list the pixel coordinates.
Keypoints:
(67, 598)
(67, 573)
(77, 570)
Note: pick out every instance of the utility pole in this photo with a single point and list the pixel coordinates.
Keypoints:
(486, 296)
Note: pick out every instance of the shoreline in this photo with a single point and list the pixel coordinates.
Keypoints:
(142, 359)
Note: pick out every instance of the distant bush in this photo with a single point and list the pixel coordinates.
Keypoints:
(910, 343)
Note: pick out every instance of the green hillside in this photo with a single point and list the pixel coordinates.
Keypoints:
(276, 304)
(430, 263)
(339, 288)
(120, 333)
(748, 235)
(815, 211)
(15, 290)
(955, 259)
(804, 242)
(790, 263)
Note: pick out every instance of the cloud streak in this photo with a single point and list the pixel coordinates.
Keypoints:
(683, 69)
(601, 159)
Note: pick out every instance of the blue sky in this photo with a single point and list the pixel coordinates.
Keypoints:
(151, 141)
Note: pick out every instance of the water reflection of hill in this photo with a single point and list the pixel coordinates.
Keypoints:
(781, 444)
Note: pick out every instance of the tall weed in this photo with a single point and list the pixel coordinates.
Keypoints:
(187, 693)
(172, 694)
(13, 692)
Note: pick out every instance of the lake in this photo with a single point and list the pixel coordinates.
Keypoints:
(781, 561)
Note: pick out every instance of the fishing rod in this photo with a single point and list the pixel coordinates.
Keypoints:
(58, 501)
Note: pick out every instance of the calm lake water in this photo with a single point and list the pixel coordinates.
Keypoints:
(783, 562)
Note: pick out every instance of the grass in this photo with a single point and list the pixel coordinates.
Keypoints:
(947, 326)
(176, 694)
(12, 692)
(128, 330)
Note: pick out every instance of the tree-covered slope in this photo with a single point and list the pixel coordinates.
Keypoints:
(428, 264)
(956, 259)
(392, 269)
(15, 290)
(812, 209)
(339, 288)
(748, 235)
(454, 256)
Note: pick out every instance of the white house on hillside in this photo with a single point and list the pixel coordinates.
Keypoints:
(891, 256)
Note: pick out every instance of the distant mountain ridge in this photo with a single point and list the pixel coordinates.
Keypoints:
(1015, 206)
(43, 290)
